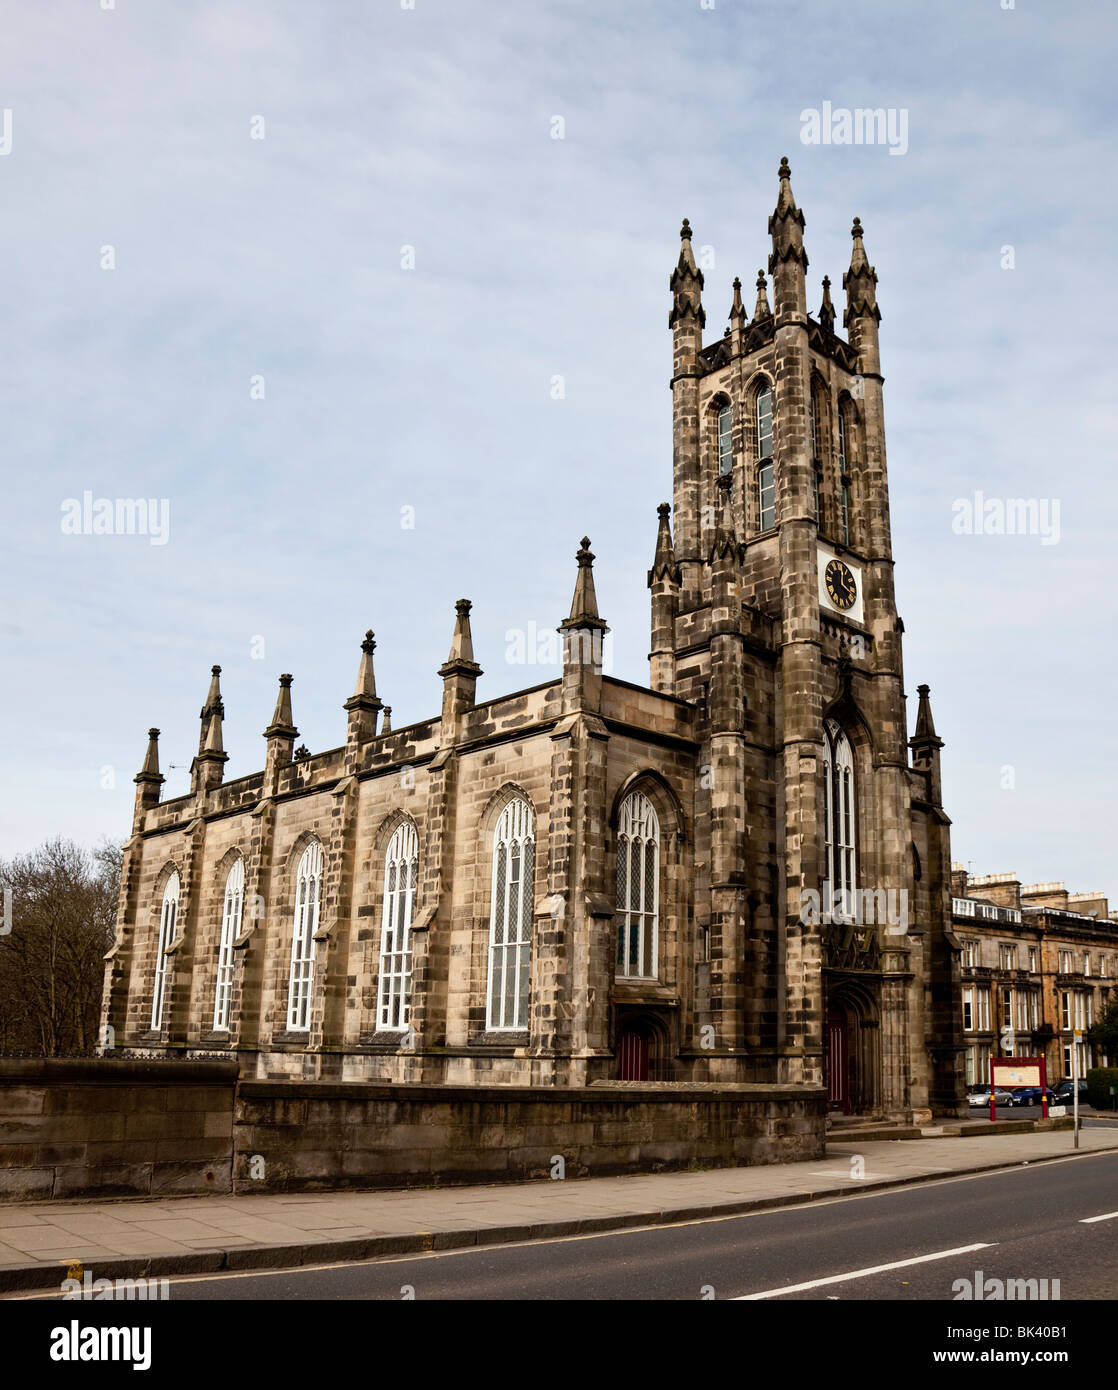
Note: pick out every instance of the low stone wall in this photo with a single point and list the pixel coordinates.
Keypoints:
(103, 1127)
(308, 1136)
(106, 1127)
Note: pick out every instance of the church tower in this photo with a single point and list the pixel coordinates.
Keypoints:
(822, 855)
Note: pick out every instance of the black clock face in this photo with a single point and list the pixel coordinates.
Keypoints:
(841, 587)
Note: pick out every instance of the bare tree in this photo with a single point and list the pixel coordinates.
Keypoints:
(62, 914)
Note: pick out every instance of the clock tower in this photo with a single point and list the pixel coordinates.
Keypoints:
(823, 856)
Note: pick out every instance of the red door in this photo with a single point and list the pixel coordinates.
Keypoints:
(632, 1056)
(838, 1063)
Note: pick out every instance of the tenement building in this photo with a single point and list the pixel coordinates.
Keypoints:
(737, 873)
(1039, 963)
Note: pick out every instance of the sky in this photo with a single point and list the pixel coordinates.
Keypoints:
(371, 299)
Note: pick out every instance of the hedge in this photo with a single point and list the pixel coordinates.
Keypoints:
(1100, 1081)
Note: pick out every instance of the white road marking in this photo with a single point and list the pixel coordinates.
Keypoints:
(863, 1273)
(1110, 1216)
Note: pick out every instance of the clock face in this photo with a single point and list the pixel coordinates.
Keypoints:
(841, 588)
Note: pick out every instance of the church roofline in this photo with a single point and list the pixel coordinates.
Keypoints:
(323, 770)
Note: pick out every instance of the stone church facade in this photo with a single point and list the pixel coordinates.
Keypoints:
(739, 873)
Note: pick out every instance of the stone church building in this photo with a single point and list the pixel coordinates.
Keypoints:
(739, 873)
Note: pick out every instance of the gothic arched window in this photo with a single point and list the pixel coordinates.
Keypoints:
(510, 918)
(838, 823)
(401, 872)
(231, 914)
(168, 920)
(725, 438)
(766, 479)
(816, 447)
(308, 890)
(844, 451)
(638, 888)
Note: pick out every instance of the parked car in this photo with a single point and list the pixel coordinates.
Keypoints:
(1064, 1092)
(982, 1096)
(1031, 1095)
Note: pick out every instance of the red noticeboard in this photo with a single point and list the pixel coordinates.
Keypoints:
(1018, 1071)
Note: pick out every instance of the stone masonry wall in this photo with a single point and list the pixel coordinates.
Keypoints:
(324, 1136)
(103, 1127)
(141, 1128)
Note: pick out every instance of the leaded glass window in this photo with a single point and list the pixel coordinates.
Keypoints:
(308, 891)
(510, 923)
(401, 871)
(638, 888)
(231, 914)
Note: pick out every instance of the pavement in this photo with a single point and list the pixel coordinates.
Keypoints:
(42, 1242)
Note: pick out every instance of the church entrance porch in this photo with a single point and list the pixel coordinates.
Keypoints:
(853, 1040)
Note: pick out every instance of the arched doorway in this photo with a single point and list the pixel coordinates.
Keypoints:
(838, 1061)
(853, 1046)
(633, 1048)
(641, 1048)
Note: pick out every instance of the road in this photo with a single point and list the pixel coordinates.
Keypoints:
(1040, 1221)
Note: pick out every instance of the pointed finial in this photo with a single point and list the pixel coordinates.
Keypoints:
(859, 282)
(212, 705)
(663, 562)
(785, 202)
(858, 254)
(461, 658)
(386, 726)
(737, 308)
(761, 309)
(282, 724)
(213, 746)
(150, 770)
(686, 283)
(827, 309)
(363, 707)
(584, 604)
(686, 265)
(925, 726)
(366, 687)
(462, 644)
